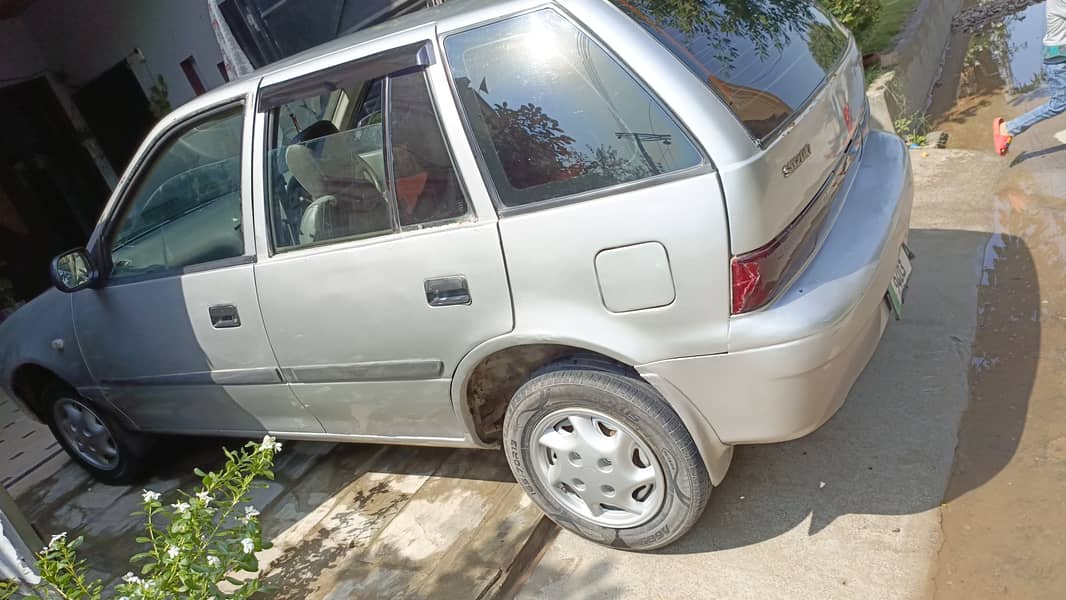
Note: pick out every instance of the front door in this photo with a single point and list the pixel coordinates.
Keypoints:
(382, 275)
(174, 336)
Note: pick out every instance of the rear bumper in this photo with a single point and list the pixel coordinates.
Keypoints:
(790, 366)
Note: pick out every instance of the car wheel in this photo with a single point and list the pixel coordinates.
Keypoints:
(603, 455)
(94, 438)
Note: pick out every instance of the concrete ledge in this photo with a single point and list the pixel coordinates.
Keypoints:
(915, 60)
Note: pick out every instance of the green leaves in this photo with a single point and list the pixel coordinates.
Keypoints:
(856, 15)
(192, 542)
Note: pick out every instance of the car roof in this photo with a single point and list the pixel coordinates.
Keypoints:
(427, 16)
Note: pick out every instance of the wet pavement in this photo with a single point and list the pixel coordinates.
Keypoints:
(1003, 523)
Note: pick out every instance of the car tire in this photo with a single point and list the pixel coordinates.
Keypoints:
(94, 438)
(566, 432)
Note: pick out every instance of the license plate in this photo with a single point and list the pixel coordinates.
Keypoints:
(899, 282)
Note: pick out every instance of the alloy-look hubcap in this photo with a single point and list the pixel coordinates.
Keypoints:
(86, 433)
(597, 468)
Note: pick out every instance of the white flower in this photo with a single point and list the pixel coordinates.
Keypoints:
(56, 539)
(129, 577)
(150, 496)
(249, 513)
(213, 560)
(172, 551)
(181, 507)
(270, 443)
(204, 496)
(247, 545)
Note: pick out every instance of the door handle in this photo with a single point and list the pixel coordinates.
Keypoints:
(447, 291)
(224, 316)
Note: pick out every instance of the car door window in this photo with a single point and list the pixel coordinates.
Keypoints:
(427, 188)
(326, 169)
(331, 177)
(555, 115)
(186, 207)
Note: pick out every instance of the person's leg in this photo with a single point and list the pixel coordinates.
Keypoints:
(1056, 85)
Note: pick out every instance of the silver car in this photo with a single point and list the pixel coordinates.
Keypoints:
(614, 240)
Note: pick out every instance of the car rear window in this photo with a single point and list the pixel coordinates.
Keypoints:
(554, 115)
(765, 58)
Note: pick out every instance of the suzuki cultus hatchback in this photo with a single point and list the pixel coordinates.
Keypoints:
(612, 239)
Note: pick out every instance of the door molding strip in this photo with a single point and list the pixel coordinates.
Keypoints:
(254, 376)
(392, 370)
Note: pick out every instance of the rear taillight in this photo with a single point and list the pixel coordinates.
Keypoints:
(759, 275)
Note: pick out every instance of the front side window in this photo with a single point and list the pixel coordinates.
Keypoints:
(352, 164)
(555, 115)
(186, 207)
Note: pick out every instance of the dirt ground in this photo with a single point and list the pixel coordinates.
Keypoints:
(1003, 538)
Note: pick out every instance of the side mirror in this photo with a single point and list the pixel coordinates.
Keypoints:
(73, 270)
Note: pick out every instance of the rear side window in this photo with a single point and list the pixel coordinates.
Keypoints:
(554, 115)
(427, 189)
(764, 57)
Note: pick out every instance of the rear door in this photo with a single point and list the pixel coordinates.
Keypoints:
(380, 269)
(611, 218)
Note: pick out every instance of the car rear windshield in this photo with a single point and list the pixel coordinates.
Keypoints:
(765, 58)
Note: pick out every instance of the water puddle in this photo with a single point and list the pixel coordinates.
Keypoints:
(992, 63)
(1016, 47)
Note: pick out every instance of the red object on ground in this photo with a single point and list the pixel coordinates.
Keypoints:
(1002, 141)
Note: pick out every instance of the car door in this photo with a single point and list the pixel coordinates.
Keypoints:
(173, 335)
(378, 269)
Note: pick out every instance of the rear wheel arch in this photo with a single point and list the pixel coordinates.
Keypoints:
(481, 395)
(488, 377)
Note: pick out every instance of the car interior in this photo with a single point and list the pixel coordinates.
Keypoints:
(328, 168)
(329, 180)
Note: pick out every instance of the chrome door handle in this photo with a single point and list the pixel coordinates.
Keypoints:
(447, 291)
(224, 316)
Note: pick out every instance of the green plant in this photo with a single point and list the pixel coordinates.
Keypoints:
(913, 128)
(195, 547)
(856, 15)
(911, 125)
(159, 98)
(7, 290)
